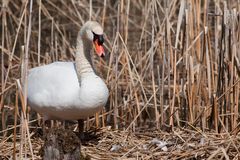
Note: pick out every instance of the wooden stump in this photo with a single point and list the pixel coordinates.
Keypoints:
(61, 144)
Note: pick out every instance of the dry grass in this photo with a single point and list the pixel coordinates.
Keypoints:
(171, 65)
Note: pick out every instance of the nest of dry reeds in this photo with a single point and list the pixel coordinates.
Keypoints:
(173, 71)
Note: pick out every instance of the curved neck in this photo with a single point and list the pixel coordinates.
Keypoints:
(83, 58)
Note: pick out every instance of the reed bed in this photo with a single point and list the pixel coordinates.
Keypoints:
(172, 68)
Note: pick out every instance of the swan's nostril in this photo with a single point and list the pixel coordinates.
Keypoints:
(103, 55)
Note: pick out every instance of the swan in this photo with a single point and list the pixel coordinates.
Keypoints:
(70, 90)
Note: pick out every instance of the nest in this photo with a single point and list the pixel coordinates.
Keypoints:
(143, 144)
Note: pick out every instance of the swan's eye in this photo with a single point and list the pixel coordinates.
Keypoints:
(99, 38)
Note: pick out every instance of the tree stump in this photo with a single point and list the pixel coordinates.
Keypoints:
(61, 144)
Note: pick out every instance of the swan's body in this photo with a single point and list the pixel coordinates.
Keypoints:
(67, 90)
(54, 91)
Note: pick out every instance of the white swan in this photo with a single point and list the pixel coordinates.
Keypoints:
(68, 90)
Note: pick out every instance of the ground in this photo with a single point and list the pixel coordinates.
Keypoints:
(106, 143)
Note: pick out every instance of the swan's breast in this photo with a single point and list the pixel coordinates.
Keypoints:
(94, 92)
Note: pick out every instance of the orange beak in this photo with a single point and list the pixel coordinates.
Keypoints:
(99, 49)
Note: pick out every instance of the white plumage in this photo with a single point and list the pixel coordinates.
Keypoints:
(68, 90)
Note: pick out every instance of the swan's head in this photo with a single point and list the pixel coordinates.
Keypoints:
(93, 32)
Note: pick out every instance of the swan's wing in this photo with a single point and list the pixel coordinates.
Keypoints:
(54, 85)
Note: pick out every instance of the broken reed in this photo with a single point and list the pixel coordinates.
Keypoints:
(170, 62)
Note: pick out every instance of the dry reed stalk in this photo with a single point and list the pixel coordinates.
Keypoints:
(216, 113)
(39, 30)
(104, 13)
(15, 126)
(115, 116)
(97, 120)
(126, 22)
(236, 110)
(190, 117)
(2, 55)
(90, 10)
(3, 125)
(116, 96)
(155, 103)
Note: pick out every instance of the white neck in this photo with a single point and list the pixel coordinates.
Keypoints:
(83, 58)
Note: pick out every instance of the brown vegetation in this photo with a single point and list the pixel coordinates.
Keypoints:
(171, 66)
